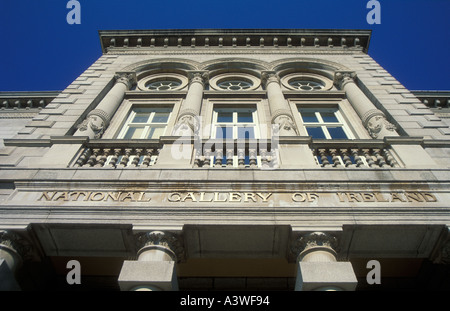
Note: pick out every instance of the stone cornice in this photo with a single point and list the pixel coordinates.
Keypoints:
(434, 99)
(112, 40)
(26, 100)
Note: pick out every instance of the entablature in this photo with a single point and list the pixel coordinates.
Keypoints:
(117, 40)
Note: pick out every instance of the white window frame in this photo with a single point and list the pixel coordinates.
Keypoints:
(324, 125)
(134, 111)
(235, 124)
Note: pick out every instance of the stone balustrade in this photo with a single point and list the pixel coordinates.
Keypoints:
(118, 155)
(237, 154)
(353, 155)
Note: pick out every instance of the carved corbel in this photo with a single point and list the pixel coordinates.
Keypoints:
(284, 124)
(376, 123)
(97, 120)
(188, 124)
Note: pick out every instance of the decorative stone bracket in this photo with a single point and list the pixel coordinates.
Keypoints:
(376, 124)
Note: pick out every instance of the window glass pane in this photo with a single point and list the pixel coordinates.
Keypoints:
(160, 117)
(224, 160)
(140, 118)
(247, 160)
(309, 117)
(246, 132)
(224, 116)
(235, 85)
(155, 132)
(316, 132)
(337, 133)
(134, 133)
(164, 85)
(329, 117)
(224, 132)
(245, 117)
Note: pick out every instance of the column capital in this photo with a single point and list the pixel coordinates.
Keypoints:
(314, 241)
(16, 245)
(441, 253)
(127, 78)
(169, 242)
(200, 76)
(268, 76)
(342, 77)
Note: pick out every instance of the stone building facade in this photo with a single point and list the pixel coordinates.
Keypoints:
(227, 159)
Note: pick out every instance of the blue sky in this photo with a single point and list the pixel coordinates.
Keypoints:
(39, 51)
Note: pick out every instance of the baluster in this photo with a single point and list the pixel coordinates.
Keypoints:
(126, 157)
(323, 157)
(335, 157)
(198, 158)
(253, 157)
(93, 158)
(230, 155)
(380, 160)
(147, 157)
(368, 157)
(115, 157)
(207, 162)
(219, 157)
(357, 157)
(155, 155)
(264, 158)
(101, 162)
(137, 157)
(83, 157)
(346, 158)
(241, 157)
(390, 159)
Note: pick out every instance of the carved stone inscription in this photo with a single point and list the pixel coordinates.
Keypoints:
(217, 197)
(94, 196)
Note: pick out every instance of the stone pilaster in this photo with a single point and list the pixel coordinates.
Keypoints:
(155, 267)
(373, 119)
(318, 268)
(98, 119)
